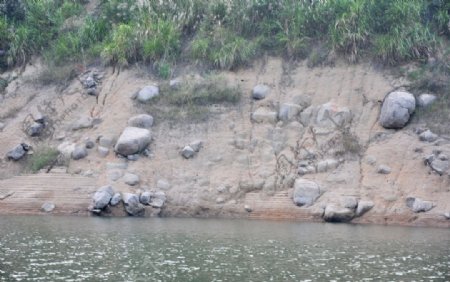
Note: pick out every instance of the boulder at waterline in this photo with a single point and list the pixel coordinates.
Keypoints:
(306, 192)
(132, 205)
(363, 207)
(102, 197)
(334, 213)
(48, 207)
(418, 205)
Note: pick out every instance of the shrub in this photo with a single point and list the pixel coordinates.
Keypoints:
(122, 48)
(42, 157)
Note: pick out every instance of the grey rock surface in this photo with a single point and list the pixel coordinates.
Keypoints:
(306, 192)
(338, 214)
(141, 121)
(79, 153)
(260, 91)
(363, 207)
(147, 93)
(102, 197)
(187, 152)
(132, 141)
(48, 207)
(397, 109)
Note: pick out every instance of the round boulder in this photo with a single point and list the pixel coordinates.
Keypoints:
(132, 141)
(260, 91)
(397, 109)
(141, 121)
(306, 192)
(147, 93)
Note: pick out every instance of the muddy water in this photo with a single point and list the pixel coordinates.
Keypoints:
(129, 249)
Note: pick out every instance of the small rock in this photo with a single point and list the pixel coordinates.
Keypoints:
(89, 144)
(133, 140)
(115, 200)
(289, 111)
(175, 83)
(131, 179)
(79, 153)
(105, 141)
(18, 152)
(363, 207)
(220, 200)
(114, 175)
(260, 91)
(84, 122)
(370, 160)
(426, 100)
(263, 115)
(163, 184)
(247, 208)
(327, 165)
(443, 157)
(2, 126)
(147, 93)
(102, 151)
(383, 169)
(89, 82)
(92, 92)
(145, 198)
(428, 136)
(48, 207)
(102, 197)
(188, 152)
(35, 129)
(141, 121)
(38, 117)
(133, 158)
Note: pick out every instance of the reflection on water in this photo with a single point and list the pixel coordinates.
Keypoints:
(130, 249)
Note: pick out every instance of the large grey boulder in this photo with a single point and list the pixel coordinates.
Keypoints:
(334, 213)
(141, 121)
(133, 140)
(363, 207)
(349, 202)
(102, 197)
(260, 91)
(397, 108)
(18, 152)
(79, 153)
(418, 205)
(147, 93)
(158, 199)
(306, 192)
(132, 205)
(426, 100)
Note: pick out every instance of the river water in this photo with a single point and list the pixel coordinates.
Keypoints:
(133, 249)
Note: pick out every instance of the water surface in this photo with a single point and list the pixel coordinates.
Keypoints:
(131, 249)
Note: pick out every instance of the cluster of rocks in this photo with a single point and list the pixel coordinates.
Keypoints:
(438, 161)
(134, 204)
(306, 192)
(189, 151)
(91, 81)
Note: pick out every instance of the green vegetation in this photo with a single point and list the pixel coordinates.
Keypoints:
(223, 34)
(42, 157)
(192, 101)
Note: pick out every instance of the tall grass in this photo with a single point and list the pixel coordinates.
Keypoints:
(223, 34)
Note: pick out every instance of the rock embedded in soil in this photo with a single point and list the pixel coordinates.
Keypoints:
(133, 140)
(264, 115)
(79, 153)
(289, 111)
(141, 121)
(397, 109)
(102, 151)
(425, 100)
(384, 169)
(147, 93)
(260, 91)
(115, 200)
(428, 136)
(35, 129)
(131, 179)
(48, 207)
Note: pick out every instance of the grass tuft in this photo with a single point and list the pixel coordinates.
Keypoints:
(42, 157)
